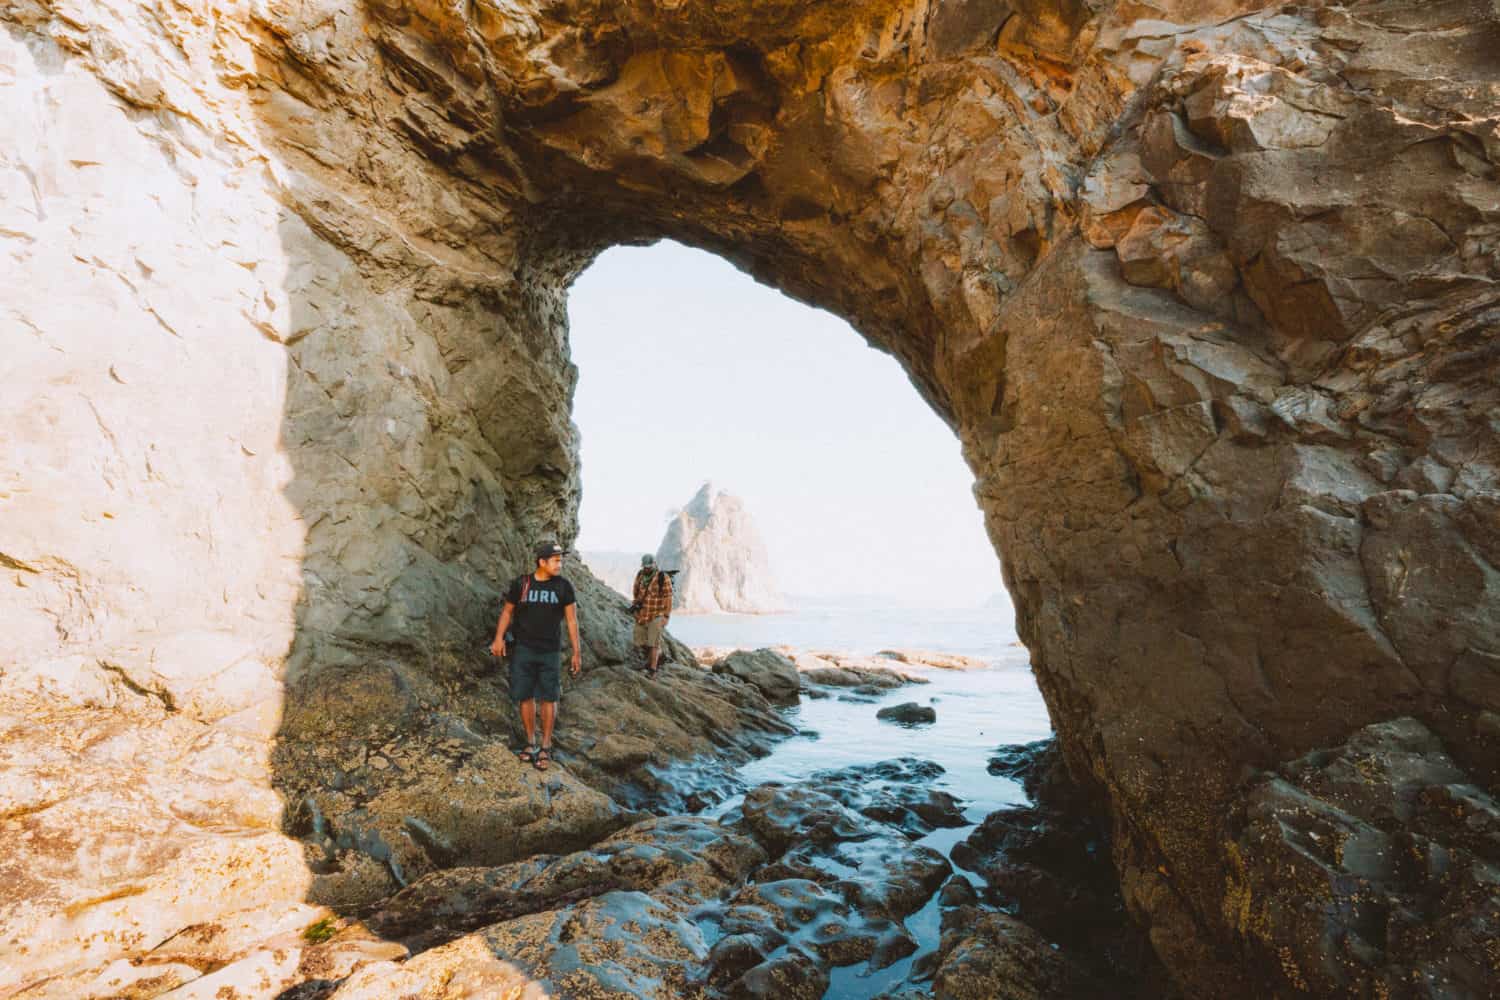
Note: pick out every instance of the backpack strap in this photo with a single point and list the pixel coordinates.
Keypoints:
(525, 588)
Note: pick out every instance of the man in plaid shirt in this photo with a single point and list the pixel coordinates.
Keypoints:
(652, 595)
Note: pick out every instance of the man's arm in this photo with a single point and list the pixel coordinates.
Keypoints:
(570, 612)
(498, 646)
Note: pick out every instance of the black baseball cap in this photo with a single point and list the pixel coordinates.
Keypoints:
(548, 549)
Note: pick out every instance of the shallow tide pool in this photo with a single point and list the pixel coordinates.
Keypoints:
(977, 711)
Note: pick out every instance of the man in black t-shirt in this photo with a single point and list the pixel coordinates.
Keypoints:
(535, 605)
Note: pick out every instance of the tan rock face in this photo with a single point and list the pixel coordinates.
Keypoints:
(1205, 287)
(714, 543)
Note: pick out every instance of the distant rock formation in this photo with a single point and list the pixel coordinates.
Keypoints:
(713, 541)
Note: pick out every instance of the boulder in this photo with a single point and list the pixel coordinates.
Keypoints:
(768, 671)
(987, 955)
(908, 714)
(896, 792)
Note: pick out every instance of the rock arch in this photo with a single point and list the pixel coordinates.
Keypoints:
(1206, 289)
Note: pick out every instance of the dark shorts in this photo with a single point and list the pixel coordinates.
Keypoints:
(535, 673)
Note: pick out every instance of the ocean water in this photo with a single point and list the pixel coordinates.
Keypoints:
(977, 712)
(860, 627)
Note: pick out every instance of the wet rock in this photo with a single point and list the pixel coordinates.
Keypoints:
(1388, 832)
(681, 856)
(766, 670)
(795, 976)
(988, 955)
(957, 891)
(781, 817)
(1053, 870)
(1049, 865)
(869, 674)
(667, 744)
(884, 874)
(908, 714)
(896, 792)
(812, 836)
(813, 919)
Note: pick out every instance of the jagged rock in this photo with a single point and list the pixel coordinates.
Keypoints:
(714, 543)
(1048, 864)
(768, 671)
(868, 674)
(812, 836)
(987, 955)
(896, 792)
(630, 732)
(908, 714)
(684, 856)
(616, 944)
(1400, 848)
(1206, 289)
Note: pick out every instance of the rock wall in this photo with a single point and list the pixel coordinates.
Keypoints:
(723, 566)
(1206, 288)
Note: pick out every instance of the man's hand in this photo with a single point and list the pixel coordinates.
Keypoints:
(577, 663)
(497, 647)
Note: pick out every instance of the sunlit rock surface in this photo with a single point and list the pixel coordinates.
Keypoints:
(721, 560)
(1206, 289)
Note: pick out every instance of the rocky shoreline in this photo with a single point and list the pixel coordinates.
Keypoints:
(617, 881)
(803, 882)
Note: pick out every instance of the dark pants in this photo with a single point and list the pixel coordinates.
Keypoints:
(535, 673)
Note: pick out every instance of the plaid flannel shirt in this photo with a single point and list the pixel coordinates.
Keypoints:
(655, 602)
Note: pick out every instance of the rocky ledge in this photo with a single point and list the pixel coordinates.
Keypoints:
(800, 887)
(783, 672)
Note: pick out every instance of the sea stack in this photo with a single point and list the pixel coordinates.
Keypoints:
(715, 544)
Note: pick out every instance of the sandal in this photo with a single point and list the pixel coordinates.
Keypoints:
(541, 758)
(527, 754)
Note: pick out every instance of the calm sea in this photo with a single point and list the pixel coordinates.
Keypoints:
(977, 711)
(860, 627)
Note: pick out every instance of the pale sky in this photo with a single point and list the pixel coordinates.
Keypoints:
(689, 370)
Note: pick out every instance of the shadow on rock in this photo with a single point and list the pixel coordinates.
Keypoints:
(1048, 865)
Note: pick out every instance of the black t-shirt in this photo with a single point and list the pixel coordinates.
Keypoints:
(537, 620)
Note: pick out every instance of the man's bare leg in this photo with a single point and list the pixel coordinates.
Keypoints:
(549, 716)
(528, 720)
(655, 655)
